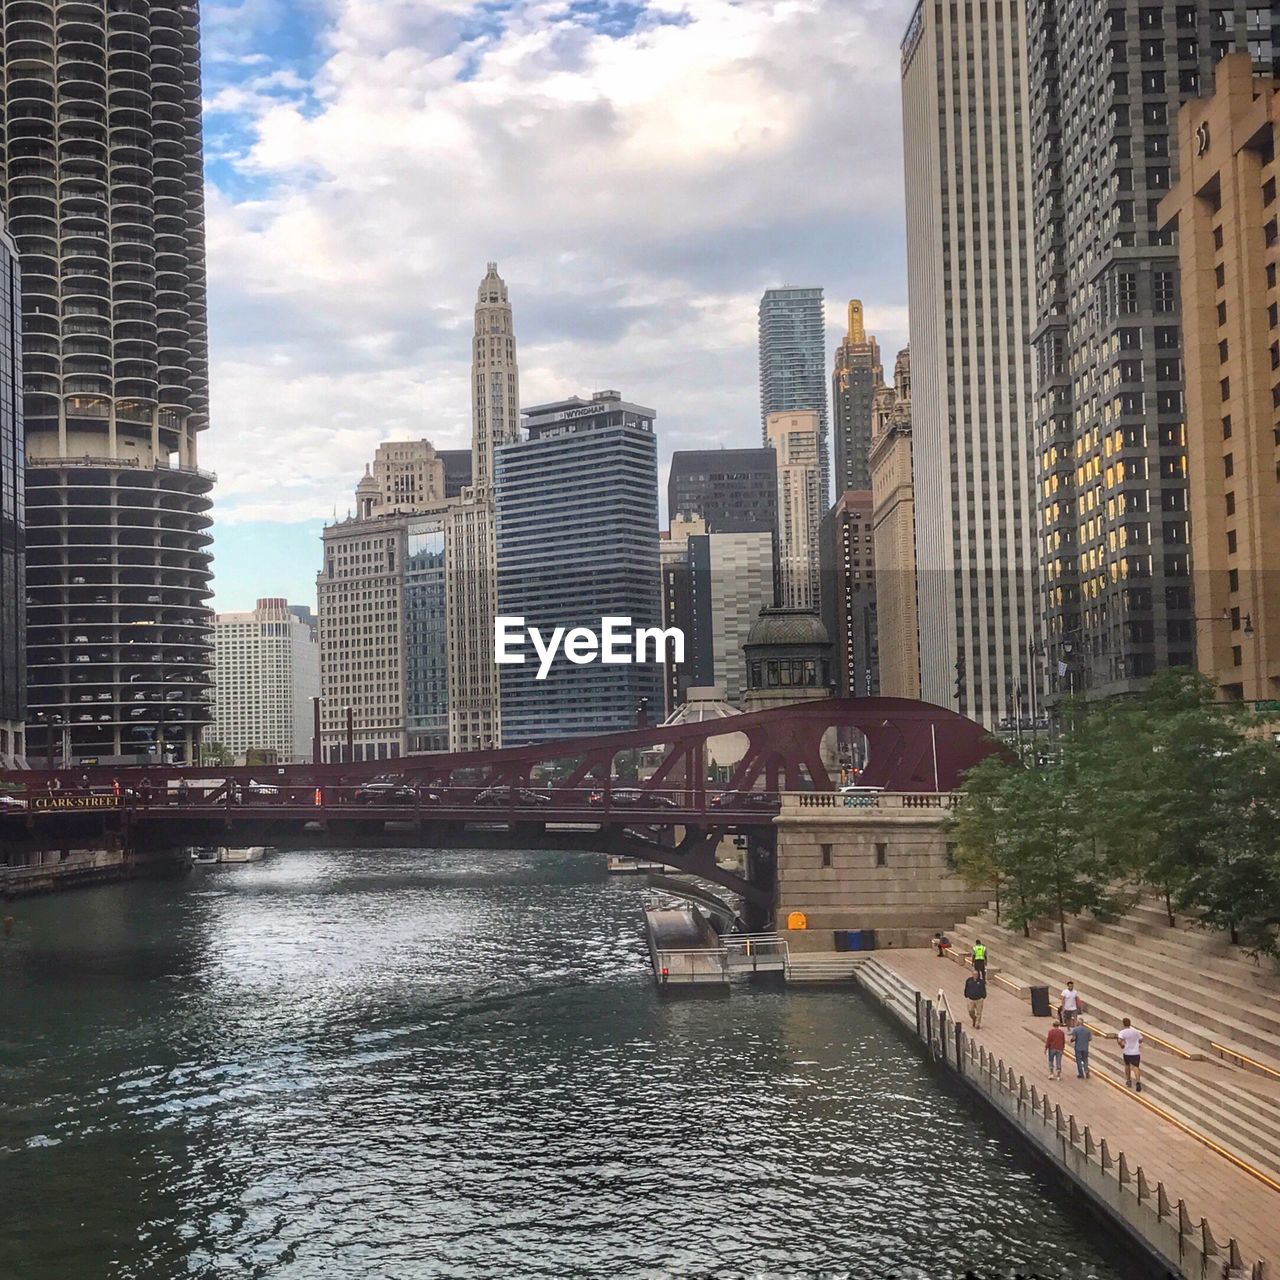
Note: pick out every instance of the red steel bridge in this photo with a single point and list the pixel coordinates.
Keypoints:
(562, 795)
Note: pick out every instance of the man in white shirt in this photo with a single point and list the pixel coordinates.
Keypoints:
(1131, 1046)
(1070, 1006)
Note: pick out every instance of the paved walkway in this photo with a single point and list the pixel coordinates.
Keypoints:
(1234, 1203)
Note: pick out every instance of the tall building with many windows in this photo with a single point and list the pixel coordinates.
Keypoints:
(101, 176)
(968, 172)
(471, 583)
(847, 559)
(796, 440)
(893, 521)
(382, 599)
(1110, 415)
(1226, 213)
(854, 380)
(266, 670)
(732, 490)
(793, 365)
(577, 536)
(13, 626)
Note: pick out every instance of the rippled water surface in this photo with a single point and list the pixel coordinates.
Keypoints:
(419, 1064)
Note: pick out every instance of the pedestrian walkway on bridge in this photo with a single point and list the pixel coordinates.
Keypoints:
(1235, 1201)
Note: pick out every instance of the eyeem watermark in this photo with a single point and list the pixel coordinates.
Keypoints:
(617, 643)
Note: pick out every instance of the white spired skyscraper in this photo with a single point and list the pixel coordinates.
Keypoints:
(968, 174)
(471, 588)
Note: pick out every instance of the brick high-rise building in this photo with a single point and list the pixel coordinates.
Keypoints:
(1109, 407)
(894, 536)
(1224, 209)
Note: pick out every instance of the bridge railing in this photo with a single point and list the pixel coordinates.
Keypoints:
(868, 800)
(405, 798)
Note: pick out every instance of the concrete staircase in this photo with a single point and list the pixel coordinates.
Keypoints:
(895, 993)
(1183, 984)
(824, 966)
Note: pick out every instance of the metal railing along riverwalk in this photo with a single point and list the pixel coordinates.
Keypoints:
(1167, 1225)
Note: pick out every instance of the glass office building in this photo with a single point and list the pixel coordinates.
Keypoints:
(426, 653)
(793, 366)
(577, 539)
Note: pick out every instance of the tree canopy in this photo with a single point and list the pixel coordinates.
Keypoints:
(1167, 790)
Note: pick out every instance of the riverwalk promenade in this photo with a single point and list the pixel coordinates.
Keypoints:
(1234, 1201)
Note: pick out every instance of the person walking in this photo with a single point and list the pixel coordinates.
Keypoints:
(979, 957)
(1054, 1043)
(1080, 1037)
(1070, 1005)
(1131, 1047)
(975, 992)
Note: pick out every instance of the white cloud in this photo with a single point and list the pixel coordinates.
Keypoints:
(639, 185)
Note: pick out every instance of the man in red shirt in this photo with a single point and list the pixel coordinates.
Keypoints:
(1054, 1043)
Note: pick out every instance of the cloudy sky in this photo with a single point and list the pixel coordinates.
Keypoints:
(640, 172)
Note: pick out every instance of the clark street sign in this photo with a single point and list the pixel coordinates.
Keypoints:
(75, 802)
(617, 643)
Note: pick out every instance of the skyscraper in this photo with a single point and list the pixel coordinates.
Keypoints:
(266, 670)
(856, 376)
(382, 612)
(793, 366)
(964, 89)
(1109, 411)
(474, 717)
(101, 174)
(795, 439)
(847, 560)
(13, 656)
(732, 579)
(1224, 210)
(733, 490)
(577, 535)
(893, 515)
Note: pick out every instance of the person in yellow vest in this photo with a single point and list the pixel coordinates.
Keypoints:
(979, 957)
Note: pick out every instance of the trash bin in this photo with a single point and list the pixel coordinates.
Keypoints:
(855, 940)
(842, 939)
(868, 940)
(1040, 1002)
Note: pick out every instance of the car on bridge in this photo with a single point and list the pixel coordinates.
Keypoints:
(519, 797)
(393, 791)
(745, 800)
(633, 798)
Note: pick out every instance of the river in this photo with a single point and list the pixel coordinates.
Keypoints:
(391, 1065)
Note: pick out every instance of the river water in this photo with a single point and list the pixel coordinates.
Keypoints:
(391, 1065)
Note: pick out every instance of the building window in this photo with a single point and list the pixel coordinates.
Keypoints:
(882, 854)
(826, 855)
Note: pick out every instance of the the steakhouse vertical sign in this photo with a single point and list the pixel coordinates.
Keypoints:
(616, 643)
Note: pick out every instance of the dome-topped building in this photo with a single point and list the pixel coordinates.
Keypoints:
(788, 658)
(784, 627)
